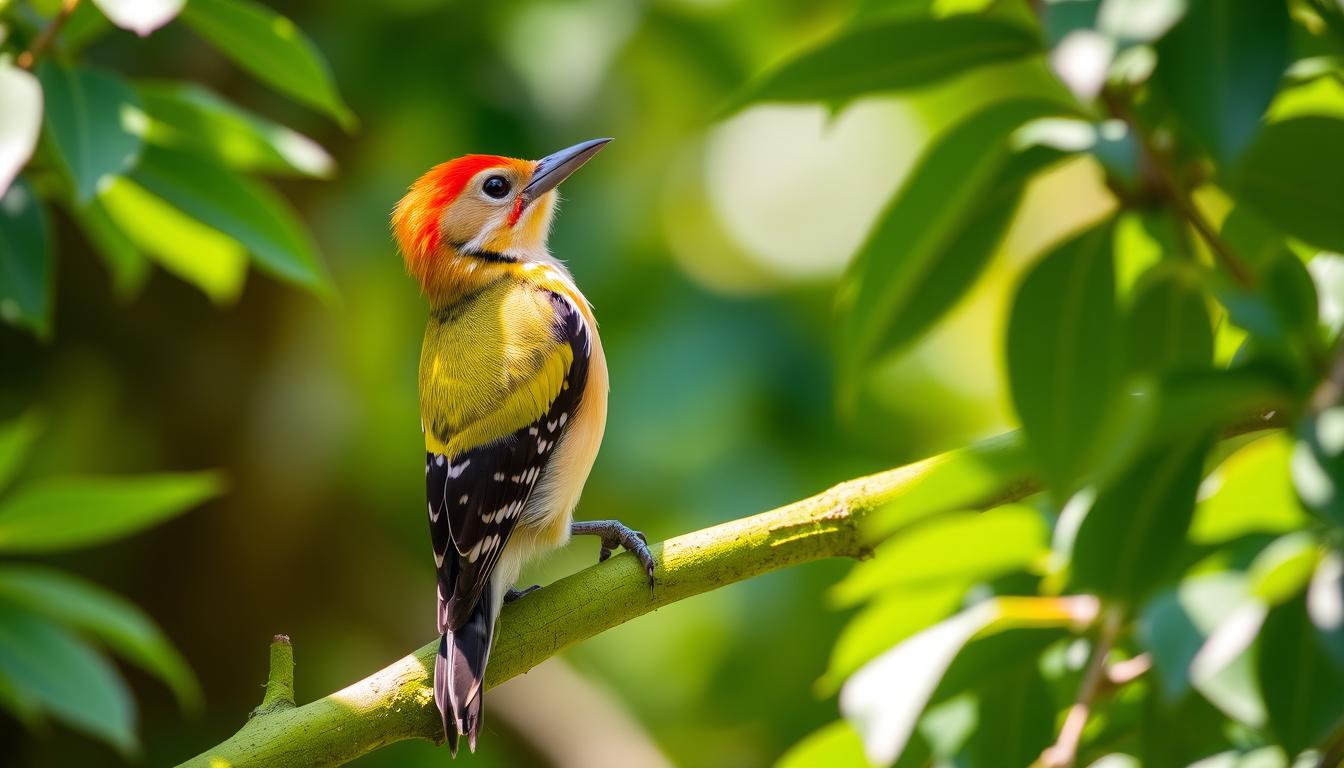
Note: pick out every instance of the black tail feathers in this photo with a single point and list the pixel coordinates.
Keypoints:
(459, 674)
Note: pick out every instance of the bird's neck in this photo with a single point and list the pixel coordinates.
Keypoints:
(460, 274)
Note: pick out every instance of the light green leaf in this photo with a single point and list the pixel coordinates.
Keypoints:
(1283, 568)
(192, 118)
(270, 47)
(16, 437)
(1318, 463)
(1169, 325)
(26, 274)
(67, 513)
(1063, 351)
(1250, 492)
(94, 120)
(893, 54)
(885, 622)
(1223, 670)
(242, 208)
(836, 745)
(1176, 623)
(86, 607)
(140, 16)
(1303, 687)
(57, 672)
(962, 548)
(1299, 188)
(938, 232)
(1132, 536)
(204, 257)
(20, 120)
(1220, 68)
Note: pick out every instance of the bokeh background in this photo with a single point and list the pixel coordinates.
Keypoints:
(710, 247)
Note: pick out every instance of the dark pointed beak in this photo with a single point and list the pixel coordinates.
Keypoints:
(555, 168)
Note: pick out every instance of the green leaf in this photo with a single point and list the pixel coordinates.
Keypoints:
(94, 120)
(1175, 624)
(1220, 68)
(1290, 181)
(242, 208)
(122, 626)
(1063, 347)
(66, 513)
(962, 548)
(1135, 531)
(1303, 687)
(1016, 718)
(20, 120)
(192, 118)
(16, 437)
(119, 253)
(837, 745)
(270, 47)
(26, 274)
(1250, 492)
(884, 623)
(938, 232)
(1169, 326)
(1318, 464)
(893, 54)
(57, 672)
(204, 257)
(1181, 732)
(1283, 568)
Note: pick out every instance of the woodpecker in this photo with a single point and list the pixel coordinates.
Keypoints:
(513, 398)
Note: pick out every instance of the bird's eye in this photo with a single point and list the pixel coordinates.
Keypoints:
(496, 187)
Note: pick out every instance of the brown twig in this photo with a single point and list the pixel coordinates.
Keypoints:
(28, 58)
(1064, 752)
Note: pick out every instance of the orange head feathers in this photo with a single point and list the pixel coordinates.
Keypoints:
(481, 207)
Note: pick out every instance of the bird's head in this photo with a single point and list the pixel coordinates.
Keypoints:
(481, 209)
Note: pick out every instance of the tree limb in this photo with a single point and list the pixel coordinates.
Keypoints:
(396, 702)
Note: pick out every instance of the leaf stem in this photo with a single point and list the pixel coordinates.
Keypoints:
(28, 58)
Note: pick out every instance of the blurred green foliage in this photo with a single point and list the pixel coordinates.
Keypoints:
(1113, 223)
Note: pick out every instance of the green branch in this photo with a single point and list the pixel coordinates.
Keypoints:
(395, 703)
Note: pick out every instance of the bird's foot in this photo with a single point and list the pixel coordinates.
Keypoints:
(514, 594)
(615, 534)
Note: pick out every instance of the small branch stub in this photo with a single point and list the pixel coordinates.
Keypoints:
(280, 682)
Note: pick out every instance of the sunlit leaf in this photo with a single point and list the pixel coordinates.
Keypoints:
(1134, 532)
(1250, 492)
(1175, 624)
(893, 54)
(140, 16)
(835, 745)
(1282, 569)
(119, 624)
(59, 514)
(240, 207)
(884, 623)
(1063, 349)
(192, 118)
(20, 120)
(94, 120)
(1303, 687)
(26, 273)
(1318, 463)
(16, 438)
(938, 232)
(1223, 671)
(963, 548)
(270, 47)
(1220, 68)
(1169, 326)
(55, 670)
(1287, 177)
(204, 257)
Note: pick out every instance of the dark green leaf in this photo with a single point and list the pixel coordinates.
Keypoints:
(192, 118)
(94, 120)
(1292, 179)
(1303, 687)
(1063, 347)
(1220, 68)
(1135, 530)
(270, 47)
(1182, 732)
(938, 232)
(128, 265)
(26, 273)
(1169, 325)
(242, 208)
(1177, 621)
(87, 607)
(75, 512)
(16, 437)
(1016, 717)
(1318, 464)
(55, 671)
(893, 54)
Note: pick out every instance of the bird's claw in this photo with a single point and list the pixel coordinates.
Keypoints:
(514, 594)
(614, 534)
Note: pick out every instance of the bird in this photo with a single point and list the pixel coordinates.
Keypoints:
(513, 389)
